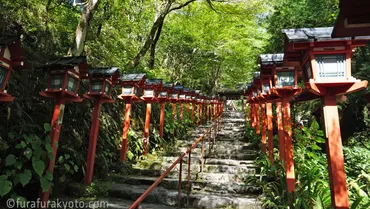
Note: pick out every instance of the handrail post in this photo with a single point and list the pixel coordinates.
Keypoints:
(189, 176)
(179, 186)
(215, 134)
(202, 159)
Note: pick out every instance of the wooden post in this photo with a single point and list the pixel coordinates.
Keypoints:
(174, 116)
(270, 131)
(126, 127)
(181, 111)
(56, 125)
(337, 175)
(280, 131)
(147, 127)
(264, 124)
(94, 131)
(289, 163)
(161, 120)
(257, 116)
(193, 113)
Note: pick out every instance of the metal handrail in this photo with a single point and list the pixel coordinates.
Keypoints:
(136, 204)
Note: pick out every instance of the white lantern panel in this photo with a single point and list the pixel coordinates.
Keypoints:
(266, 87)
(331, 66)
(182, 96)
(127, 90)
(3, 73)
(72, 84)
(188, 97)
(107, 88)
(285, 78)
(149, 93)
(163, 94)
(56, 81)
(173, 96)
(96, 86)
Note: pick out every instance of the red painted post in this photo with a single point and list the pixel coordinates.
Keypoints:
(257, 117)
(147, 127)
(264, 124)
(92, 143)
(126, 127)
(179, 186)
(56, 125)
(289, 162)
(174, 116)
(337, 175)
(270, 131)
(202, 158)
(189, 176)
(161, 120)
(193, 113)
(280, 132)
(181, 111)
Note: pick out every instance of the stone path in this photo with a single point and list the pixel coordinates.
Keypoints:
(219, 186)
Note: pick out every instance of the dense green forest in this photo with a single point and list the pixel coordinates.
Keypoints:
(202, 44)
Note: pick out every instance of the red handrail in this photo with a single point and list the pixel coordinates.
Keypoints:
(136, 204)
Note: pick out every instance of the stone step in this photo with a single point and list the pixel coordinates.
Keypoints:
(223, 177)
(237, 156)
(215, 161)
(172, 184)
(225, 188)
(196, 200)
(174, 174)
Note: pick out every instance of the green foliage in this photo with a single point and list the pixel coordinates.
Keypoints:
(27, 164)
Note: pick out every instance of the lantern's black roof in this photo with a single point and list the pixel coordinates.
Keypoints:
(5, 40)
(66, 61)
(151, 82)
(178, 88)
(132, 77)
(103, 71)
(186, 90)
(266, 59)
(167, 85)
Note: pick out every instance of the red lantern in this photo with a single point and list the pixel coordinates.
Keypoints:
(326, 65)
(102, 81)
(64, 77)
(11, 57)
(163, 97)
(150, 96)
(132, 85)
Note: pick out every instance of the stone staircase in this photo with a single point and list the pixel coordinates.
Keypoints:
(220, 185)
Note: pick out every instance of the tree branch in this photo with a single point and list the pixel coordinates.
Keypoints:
(153, 46)
(181, 5)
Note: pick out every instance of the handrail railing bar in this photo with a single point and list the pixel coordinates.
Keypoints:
(179, 186)
(145, 194)
(189, 176)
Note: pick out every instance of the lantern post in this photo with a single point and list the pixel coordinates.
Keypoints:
(11, 58)
(182, 100)
(101, 82)
(266, 63)
(200, 109)
(266, 85)
(164, 97)
(193, 104)
(64, 77)
(132, 85)
(174, 100)
(326, 65)
(150, 96)
(260, 102)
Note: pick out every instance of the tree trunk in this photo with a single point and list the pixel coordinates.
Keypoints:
(153, 46)
(82, 27)
(155, 30)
